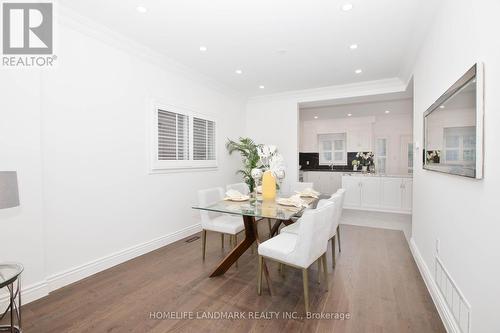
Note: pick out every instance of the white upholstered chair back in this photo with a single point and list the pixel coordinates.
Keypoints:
(312, 240)
(240, 187)
(206, 198)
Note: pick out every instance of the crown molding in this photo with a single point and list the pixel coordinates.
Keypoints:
(365, 88)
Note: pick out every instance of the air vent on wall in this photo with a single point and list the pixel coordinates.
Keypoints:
(455, 300)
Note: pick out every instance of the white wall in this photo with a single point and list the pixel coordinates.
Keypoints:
(78, 133)
(462, 212)
(21, 228)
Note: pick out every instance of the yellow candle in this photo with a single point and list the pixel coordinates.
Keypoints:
(268, 186)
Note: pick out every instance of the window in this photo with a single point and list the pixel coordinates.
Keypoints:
(182, 139)
(332, 149)
(381, 155)
(459, 145)
(410, 157)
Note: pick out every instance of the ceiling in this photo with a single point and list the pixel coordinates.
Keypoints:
(281, 44)
(359, 109)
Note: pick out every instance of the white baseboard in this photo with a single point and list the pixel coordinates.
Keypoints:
(29, 294)
(444, 312)
(61, 279)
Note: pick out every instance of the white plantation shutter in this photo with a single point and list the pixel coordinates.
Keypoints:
(173, 136)
(182, 139)
(203, 139)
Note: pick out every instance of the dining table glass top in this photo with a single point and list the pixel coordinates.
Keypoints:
(258, 208)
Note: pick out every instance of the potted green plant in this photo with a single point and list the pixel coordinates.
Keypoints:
(249, 155)
(355, 164)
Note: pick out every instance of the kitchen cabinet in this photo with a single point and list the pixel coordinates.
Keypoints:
(390, 194)
(378, 193)
(407, 194)
(359, 140)
(370, 192)
(352, 186)
(327, 182)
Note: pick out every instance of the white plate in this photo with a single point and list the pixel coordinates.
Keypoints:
(243, 198)
(285, 202)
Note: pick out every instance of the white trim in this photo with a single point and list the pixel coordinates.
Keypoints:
(29, 293)
(381, 210)
(439, 301)
(74, 274)
(64, 278)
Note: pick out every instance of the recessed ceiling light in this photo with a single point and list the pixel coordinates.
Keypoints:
(238, 71)
(353, 46)
(441, 106)
(358, 71)
(261, 87)
(349, 114)
(346, 7)
(315, 117)
(141, 9)
(387, 111)
(203, 48)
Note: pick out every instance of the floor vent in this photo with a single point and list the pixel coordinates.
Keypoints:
(192, 239)
(455, 300)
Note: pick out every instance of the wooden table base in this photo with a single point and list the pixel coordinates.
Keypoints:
(251, 235)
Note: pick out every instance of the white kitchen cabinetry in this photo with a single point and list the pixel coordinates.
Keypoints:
(359, 140)
(370, 192)
(407, 194)
(390, 194)
(386, 193)
(327, 182)
(352, 186)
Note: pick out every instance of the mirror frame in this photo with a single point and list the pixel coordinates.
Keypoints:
(476, 71)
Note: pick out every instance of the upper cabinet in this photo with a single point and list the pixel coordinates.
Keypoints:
(359, 140)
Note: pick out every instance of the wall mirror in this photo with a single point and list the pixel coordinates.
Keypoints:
(453, 128)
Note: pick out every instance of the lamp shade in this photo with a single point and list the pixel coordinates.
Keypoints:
(9, 194)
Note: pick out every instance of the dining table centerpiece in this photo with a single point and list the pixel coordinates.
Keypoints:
(271, 162)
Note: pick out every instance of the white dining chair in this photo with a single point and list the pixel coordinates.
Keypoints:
(240, 187)
(302, 249)
(301, 186)
(334, 230)
(217, 222)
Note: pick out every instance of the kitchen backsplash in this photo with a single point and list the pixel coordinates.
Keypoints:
(313, 159)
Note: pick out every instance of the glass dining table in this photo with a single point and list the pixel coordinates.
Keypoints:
(253, 211)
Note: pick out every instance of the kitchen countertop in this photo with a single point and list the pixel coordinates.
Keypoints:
(378, 175)
(330, 170)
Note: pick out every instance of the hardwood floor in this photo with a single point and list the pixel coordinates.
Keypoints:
(376, 282)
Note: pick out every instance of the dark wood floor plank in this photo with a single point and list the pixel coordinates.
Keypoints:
(376, 282)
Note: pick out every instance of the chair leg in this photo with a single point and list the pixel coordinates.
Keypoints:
(305, 281)
(203, 243)
(259, 276)
(234, 242)
(338, 233)
(334, 262)
(222, 240)
(270, 227)
(325, 270)
(319, 270)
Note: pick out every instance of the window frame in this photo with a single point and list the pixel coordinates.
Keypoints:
(379, 157)
(157, 165)
(461, 133)
(321, 160)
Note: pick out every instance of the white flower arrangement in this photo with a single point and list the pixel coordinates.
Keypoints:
(271, 160)
(365, 159)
